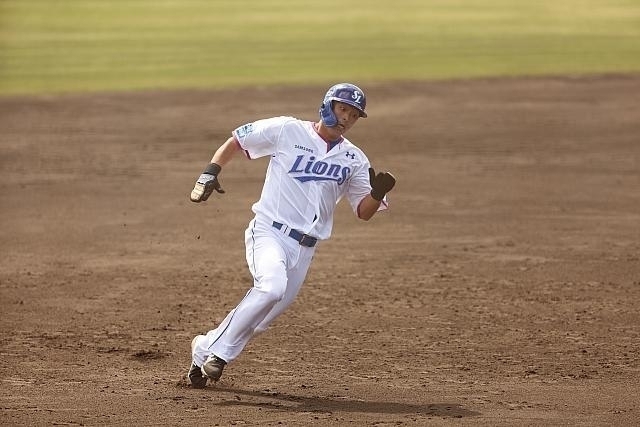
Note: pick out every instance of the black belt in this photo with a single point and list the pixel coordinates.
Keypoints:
(303, 239)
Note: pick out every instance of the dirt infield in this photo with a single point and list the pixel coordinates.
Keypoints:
(502, 288)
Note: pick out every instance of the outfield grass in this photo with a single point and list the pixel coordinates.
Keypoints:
(87, 45)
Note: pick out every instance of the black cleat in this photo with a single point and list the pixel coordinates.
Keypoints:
(195, 376)
(213, 368)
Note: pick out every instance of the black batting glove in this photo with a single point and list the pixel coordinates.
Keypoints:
(381, 183)
(206, 183)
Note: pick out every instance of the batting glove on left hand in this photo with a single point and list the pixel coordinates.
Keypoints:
(206, 183)
(381, 183)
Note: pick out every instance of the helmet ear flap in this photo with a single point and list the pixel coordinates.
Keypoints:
(326, 113)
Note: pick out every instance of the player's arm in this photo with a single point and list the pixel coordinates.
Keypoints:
(225, 153)
(208, 179)
(368, 208)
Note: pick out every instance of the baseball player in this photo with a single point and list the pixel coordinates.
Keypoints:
(312, 167)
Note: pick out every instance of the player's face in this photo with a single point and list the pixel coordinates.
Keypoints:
(347, 116)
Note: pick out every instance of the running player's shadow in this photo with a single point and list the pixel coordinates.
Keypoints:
(290, 402)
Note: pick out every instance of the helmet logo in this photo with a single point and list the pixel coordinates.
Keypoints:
(357, 96)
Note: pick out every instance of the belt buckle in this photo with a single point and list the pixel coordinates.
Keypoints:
(304, 238)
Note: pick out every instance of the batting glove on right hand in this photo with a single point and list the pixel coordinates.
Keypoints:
(381, 183)
(206, 183)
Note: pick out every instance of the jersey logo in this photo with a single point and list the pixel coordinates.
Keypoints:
(245, 130)
(303, 148)
(351, 155)
(318, 171)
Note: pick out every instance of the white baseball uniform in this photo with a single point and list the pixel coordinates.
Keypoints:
(305, 180)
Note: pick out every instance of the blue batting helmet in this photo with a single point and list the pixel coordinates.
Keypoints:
(343, 92)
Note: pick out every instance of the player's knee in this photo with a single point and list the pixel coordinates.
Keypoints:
(273, 288)
(274, 295)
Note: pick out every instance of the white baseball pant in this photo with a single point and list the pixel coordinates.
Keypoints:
(279, 265)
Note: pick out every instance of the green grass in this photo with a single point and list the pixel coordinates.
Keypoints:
(49, 46)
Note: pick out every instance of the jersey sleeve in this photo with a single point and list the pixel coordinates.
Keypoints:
(360, 187)
(260, 138)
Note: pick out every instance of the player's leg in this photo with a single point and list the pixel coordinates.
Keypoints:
(201, 343)
(295, 278)
(267, 263)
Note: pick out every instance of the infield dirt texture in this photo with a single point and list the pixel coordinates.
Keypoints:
(501, 288)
